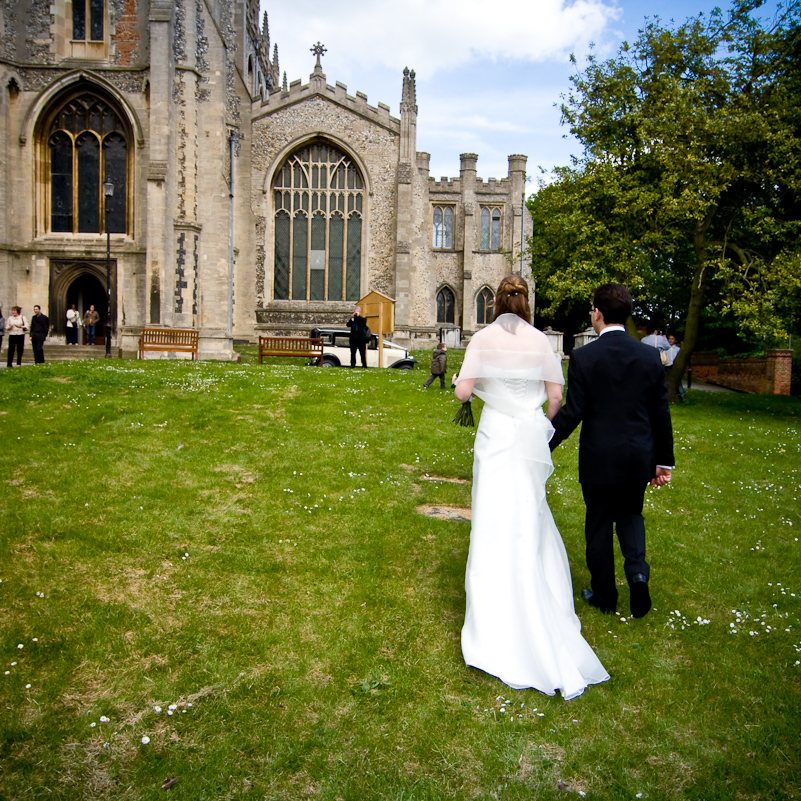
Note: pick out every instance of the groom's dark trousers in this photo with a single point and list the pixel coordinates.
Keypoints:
(616, 389)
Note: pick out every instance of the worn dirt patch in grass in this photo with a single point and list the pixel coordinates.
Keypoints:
(446, 479)
(456, 513)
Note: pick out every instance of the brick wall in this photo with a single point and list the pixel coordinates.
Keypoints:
(126, 34)
(767, 375)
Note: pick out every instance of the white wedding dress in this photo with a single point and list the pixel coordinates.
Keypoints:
(520, 622)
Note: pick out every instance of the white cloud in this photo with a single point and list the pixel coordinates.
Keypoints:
(488, 74)
(433, 35)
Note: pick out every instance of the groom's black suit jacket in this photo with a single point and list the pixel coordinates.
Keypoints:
(616, 388)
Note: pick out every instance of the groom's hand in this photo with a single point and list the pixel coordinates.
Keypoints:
(661, 478)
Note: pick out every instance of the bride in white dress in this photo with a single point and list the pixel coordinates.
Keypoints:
(520, 623)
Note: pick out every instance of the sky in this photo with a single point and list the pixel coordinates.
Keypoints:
(489, 74)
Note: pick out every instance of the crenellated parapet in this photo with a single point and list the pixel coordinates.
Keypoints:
(297, 92)
(492, 186)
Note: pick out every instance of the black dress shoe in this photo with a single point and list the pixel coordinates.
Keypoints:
(640, 601)
(589, 597)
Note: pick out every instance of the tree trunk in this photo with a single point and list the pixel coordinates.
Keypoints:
(693, 321)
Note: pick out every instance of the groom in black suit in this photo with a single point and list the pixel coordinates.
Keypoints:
(616, 388)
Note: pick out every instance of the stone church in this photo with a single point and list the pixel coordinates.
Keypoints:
(152, 154)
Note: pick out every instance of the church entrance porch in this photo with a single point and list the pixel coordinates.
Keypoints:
(82, 283)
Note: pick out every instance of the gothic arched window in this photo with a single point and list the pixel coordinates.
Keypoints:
(319, 210)
(87, 145)
(443, 227)
(446, 306)
(490, 238)
(484, 302)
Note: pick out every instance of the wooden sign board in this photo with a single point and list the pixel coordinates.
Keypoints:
(379, 310)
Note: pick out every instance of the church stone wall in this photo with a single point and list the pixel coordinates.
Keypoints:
(465, 269)
(189, 73)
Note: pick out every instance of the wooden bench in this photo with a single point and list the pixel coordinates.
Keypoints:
(179, 340)
(309, 347)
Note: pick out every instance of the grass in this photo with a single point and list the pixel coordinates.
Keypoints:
(242, 542)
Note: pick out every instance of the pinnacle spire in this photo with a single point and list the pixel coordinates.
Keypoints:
(409, 93)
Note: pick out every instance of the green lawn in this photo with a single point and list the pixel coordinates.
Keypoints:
(239, 546)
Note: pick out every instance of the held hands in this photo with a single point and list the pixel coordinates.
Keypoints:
(661, 478)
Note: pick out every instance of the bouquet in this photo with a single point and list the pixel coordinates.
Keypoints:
(464, 417)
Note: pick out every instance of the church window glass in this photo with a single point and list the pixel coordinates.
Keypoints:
(336, 246)
(88, 144)
(446, 304)
(484, 307)
(352, 282)
(490, 236)
(319, 209)
(443, 227)
(317, 263)
(61, 178)
(88, 17)
(88, 148)
(299, 253)
(282, 228)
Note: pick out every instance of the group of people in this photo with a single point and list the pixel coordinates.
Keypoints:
(520, 621)
(17, 325)
(668, 347)
(74, 322)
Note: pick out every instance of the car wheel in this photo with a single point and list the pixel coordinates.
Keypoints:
(329, 363)
(405, 367)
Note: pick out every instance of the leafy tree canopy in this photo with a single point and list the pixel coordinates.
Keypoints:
(689, 188)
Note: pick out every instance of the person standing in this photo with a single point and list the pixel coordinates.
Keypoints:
(40, 328)
(2, 328)
(654, 338)
(520, 622)
(439, 366)
(672, 353)
(73, 321)
(674, 348)
(90, 320)
(616, 388)
(358, 337)
(16, 328)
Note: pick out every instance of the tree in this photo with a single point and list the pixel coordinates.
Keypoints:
(691, 173)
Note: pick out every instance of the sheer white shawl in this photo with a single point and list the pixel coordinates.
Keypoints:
(511, 348)
(510, 360)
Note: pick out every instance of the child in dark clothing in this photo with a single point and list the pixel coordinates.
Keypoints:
(439, 365)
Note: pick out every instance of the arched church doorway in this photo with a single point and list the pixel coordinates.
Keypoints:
(82, 283)
(85, 291)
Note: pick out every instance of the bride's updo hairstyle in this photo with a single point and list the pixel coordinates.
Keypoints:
(512, 298)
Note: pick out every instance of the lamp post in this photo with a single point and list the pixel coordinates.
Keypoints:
(108, 191)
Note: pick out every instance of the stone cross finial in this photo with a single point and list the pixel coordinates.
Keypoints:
(318, 51)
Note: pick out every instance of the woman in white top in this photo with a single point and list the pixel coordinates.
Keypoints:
(520, 623)
(73, 322)
(16, 327)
